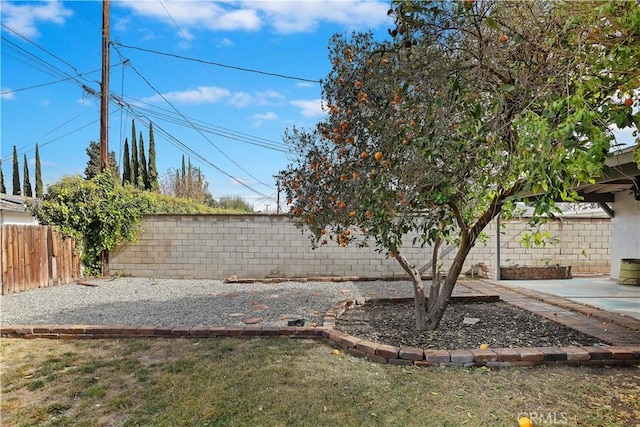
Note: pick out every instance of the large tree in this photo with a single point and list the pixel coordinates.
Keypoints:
(94, 165)
(143, 181)
(28, 191)
(3, 188)
(16, 173)
(152, 169)
(135, 168)
(39, 186)
(471, 107)
(126, 163)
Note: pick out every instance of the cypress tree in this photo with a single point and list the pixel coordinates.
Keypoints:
(94, 165)
(126, 164)
(28, 192)
(135, 171)
(152, 170)
(39, 189)
(16, 173)
(144, 174)
(3, 189)
(184, 169)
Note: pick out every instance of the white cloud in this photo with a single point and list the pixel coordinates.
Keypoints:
(268, 97)
(305, 16)
(259, 119)
(240, 99)
(285, 17)
(225, 42)
(198, 14)
(266, 116)
(305, 85)
(8, 95)
(200, 95)
(23, 18)
(310, 108)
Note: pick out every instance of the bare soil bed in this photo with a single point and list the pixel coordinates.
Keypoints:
(501, 325)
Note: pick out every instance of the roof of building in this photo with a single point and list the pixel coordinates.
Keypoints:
(10, 202)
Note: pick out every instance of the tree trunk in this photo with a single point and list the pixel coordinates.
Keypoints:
(441, 294)
(418, 290)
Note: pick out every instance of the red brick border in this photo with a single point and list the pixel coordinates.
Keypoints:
(375, 352)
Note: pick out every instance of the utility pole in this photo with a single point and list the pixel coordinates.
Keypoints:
(104, 111)
(104, 99)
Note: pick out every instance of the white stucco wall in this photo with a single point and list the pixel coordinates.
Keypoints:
(16, 217)
(625, 230)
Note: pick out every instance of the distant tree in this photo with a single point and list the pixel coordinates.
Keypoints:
(126, 166)
(184, 169)
(235, 203)
(143, 181)
(192, 185)
(28, 192)
(16, 173)
(3, 189)
(39, 188)
(152, 170)
(93, 164)
(135, 169)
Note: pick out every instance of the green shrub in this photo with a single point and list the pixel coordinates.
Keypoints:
(102, 214)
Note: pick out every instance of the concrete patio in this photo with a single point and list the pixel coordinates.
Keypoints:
(597, 291)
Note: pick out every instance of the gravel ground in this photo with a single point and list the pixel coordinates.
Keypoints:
(172, 303)
(164, 302)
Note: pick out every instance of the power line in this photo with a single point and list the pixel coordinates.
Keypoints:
(41, 48)
(217, 64)
(52, 83)
(201, 133)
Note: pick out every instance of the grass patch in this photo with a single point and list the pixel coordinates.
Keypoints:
(279, 381)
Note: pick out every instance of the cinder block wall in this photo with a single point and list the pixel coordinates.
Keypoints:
(261, 246)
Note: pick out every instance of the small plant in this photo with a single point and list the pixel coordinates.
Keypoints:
(546, 261)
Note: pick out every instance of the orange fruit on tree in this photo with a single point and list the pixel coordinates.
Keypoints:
(503, 38)
(364, 155)
(342, 205)
(347, 232)
(628, 102)
(358, 84)
(352, 214)
(378, 156)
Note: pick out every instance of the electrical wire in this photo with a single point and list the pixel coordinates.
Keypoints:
(197, 130)
(217, 64)
(52, 83)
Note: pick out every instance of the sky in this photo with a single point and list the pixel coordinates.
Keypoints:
(228, 121)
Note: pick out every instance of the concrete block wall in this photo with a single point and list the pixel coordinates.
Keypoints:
(262, 246)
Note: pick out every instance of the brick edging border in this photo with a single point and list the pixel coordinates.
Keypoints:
(375, 352)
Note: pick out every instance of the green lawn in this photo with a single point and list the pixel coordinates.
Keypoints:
(288, 382)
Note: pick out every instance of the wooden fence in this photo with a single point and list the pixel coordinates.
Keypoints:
(36, 257)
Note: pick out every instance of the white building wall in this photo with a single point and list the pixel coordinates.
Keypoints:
(16, 217)
(625, 231)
